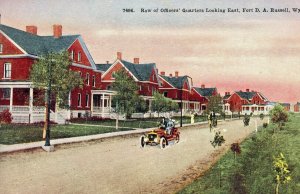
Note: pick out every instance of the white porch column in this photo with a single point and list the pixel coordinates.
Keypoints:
(11, 99)
(92, 103)
(31, 104)
(110, 98)
(102, 105)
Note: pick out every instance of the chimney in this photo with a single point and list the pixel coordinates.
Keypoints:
(202, 86)
(119, 55)
(31, 30)
(171, 75)
(162, 73)
(57, 31)
(247, 90)
(176, 73)
(227, 93)
(136, 60)
(107, 62)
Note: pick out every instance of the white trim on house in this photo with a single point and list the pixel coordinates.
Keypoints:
(18, 56)
(81, 66)
(148, 82)
(115, 63)
(14, 43)
(8, 84)
(86, 51)
(167, 82)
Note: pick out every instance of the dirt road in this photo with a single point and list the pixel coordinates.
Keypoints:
(116, 165)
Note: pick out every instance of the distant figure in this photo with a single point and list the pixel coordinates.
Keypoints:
(192, 118)
(209, 118)
(163, 123)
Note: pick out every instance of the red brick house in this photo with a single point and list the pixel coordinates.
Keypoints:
(286, 106)
(145, 75)
(18, 51)
(177, 88)
(297, 107)
(202, 94)
(246, 102)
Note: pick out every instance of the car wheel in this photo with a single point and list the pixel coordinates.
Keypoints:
(163, 143)
(177, 138)
(142, 141)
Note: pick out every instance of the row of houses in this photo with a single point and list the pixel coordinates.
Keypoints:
(19, 49)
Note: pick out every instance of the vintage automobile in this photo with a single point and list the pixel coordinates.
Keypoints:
(166, 133)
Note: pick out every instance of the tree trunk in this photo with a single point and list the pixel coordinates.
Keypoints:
(277, 188)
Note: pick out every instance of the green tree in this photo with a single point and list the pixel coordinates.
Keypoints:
(141, 105)
(162, 104)
(126, 96)
(214, 104)
(279, 116)
(52, 73)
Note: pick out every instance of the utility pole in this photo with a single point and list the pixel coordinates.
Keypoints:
(48, 104)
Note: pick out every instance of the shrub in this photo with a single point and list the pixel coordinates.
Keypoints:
(5, 116)
(235, 147)
(94, 118)
(265, 125)
(261, 116)
(246, 120)
(279, 116)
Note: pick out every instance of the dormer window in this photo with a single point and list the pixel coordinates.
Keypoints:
(1, 48)
(79, 57)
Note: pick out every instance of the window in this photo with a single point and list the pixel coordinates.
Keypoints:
(140, 87)
(6, 93)
(108, 87)
(87, 98)
(79, 56)
(79, 100)
(72, 54)
(94, 81)
(87, 79)
(80, 73)
(7, 70)
(165, 94)
(1, 48)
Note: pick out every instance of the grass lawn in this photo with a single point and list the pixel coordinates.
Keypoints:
(13, 134)
(139, 123)
(253, 172)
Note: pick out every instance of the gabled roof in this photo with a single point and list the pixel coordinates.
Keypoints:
(103, 67)
(226, 97)
(176, 82)
(205, 92)
(246, 95)
(141, 71)
(262, 96)
(285, 104)
(38, 45)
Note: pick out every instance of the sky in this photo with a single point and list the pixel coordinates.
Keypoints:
(231, 51)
